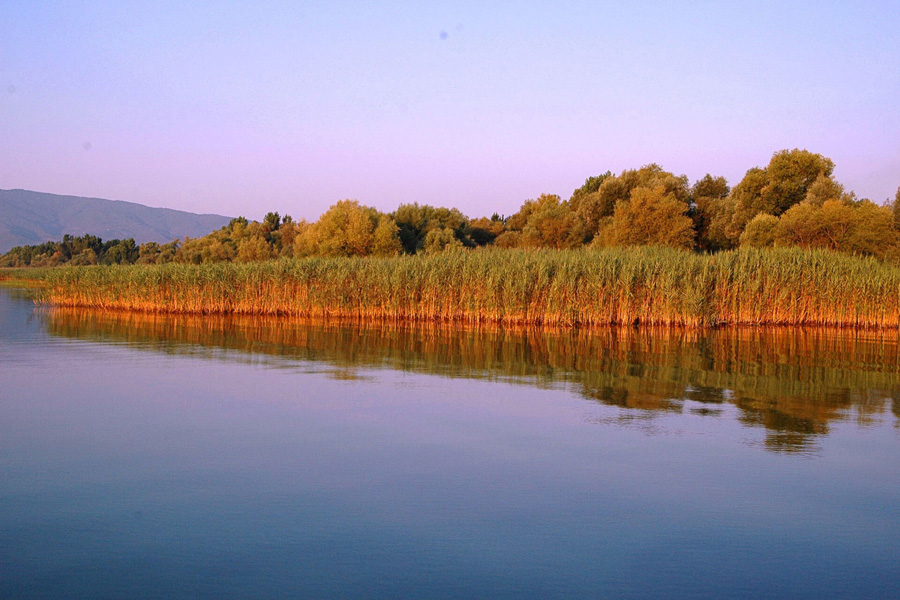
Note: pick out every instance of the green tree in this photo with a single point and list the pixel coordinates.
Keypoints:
(748, 201)
(652, 216)
(552, 223)
(415, 221)
(441, 239)
(508, 239)
(760, 231)
(784, 183)
(345, 229)
(148, 253)
(860, 228)
(710, 186)
(85, 257)
(709, 196)
(824, 189)
(874, 233)
(167, 252)
(119, 252)
(190, 252)
(614, 190)
(306, 242)
(791, 174)
(285, 236)
(484, 231)
(386, 238)
(272, 221)
(253, 249)
(803, 225)
(895, 207)
(591, 186)
(517, 221)
(236, 222)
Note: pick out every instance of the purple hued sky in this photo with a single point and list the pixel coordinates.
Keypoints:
(243, 108)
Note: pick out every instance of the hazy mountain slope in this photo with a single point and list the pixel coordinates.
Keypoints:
(33, 217)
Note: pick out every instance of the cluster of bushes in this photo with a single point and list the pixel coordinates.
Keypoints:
(83, 250)
(793, 201)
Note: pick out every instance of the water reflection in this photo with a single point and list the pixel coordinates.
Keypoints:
(795, 383)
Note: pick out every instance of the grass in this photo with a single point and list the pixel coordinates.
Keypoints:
(29, 279)
(648, 286)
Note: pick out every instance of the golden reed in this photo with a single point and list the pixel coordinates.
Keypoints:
(649, 286)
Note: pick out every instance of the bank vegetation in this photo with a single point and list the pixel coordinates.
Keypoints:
(787, 245)
(794, 201)
(583, 287)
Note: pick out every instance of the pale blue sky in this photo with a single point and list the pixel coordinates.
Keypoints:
(242, 108)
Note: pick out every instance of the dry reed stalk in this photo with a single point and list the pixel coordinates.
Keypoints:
(650, 286)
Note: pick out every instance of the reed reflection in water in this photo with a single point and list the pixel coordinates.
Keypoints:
(794, 382)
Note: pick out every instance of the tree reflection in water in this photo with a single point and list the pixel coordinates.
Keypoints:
(794, 382)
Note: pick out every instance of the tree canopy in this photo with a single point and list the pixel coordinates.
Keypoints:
(792, 201)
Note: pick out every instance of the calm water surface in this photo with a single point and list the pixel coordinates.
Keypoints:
(163, 457)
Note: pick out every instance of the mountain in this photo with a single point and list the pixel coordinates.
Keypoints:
(29, 218)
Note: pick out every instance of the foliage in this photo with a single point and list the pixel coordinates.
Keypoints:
(484, 231)
(585, 201)
(440, 239)
(858, 228)
(760, 231)
(711, 210)
(652, 217)
(785, 182)
(416, 221)
(83, 250)
(802, 203)
(346, 229)
(895, 208)
(551, 223)
(824, 189)
(615, 190)
(386, 238)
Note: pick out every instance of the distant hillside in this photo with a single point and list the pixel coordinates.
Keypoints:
(29, 218)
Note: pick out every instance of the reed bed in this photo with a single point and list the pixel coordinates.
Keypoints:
(23, 278)
(648, 286)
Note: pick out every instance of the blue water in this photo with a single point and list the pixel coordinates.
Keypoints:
(128, 470)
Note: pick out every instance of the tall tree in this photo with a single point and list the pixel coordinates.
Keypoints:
(591, 185)
(415, 221)
(594, 208)
(345, 229)
(552, 224)
(782, 184)
(386, 237)
(652, 216)
(708, 196)
(896, 209)
(859, 228)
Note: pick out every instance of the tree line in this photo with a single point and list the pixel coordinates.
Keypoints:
(74, 250)
(792, 201)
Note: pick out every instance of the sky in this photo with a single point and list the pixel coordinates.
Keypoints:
(248, 107)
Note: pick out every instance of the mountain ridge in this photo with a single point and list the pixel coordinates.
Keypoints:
(30, 218)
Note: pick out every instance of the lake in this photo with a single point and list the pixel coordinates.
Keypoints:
(151, 456)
